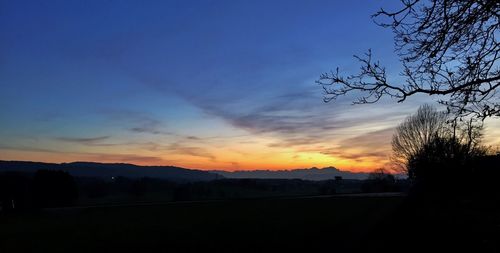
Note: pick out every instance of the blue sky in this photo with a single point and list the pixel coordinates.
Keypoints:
(204, 84)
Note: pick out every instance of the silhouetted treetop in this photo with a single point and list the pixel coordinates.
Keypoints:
(432, 149)
(447, 48)
(415, 132)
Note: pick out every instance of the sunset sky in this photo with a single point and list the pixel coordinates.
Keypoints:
(198, 84)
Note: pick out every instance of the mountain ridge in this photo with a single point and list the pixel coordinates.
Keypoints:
(109, 170)
(312, 173)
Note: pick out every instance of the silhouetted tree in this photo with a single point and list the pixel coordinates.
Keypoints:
(415, 132)
(428, 128)
(448, 48)
(54, 188)
(436, 152)
(444, 165)
(380, 181)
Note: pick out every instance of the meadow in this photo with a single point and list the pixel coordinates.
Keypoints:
(231, 225)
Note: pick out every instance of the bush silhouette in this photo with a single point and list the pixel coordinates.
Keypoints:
(380, 181)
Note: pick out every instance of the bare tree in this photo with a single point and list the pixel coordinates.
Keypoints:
(431, 134)
(415, 132)
(447, 48)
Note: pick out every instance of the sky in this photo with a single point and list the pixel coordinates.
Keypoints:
(200, 84)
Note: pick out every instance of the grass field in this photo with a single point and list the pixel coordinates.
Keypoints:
(326, 224)
(249, 225)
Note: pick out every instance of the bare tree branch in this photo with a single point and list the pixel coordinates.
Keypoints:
(448, 48)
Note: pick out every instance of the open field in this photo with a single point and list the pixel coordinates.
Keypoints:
(329, 224)
(229, 225)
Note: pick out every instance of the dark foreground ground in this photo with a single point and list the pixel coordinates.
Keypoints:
(341, 224)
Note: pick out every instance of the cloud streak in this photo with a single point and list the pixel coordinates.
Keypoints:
(136, 121)
(83, 140)
(371, 145)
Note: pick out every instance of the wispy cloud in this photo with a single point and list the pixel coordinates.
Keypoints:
(128, 158)
(83, 140)
(182, 149)
(179, 148)
(137, 121)
(295, 120)
(370, 140)
(371, 145)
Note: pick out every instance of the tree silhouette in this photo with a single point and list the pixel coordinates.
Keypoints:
(441, 158)
(415, 132)
(433, 150)
(380, 180)
(448, 48)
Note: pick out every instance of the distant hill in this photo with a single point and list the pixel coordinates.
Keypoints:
(305, 174)
(108, 170)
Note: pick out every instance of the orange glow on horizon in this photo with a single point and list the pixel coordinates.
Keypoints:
(229, 162)
(362, 153)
